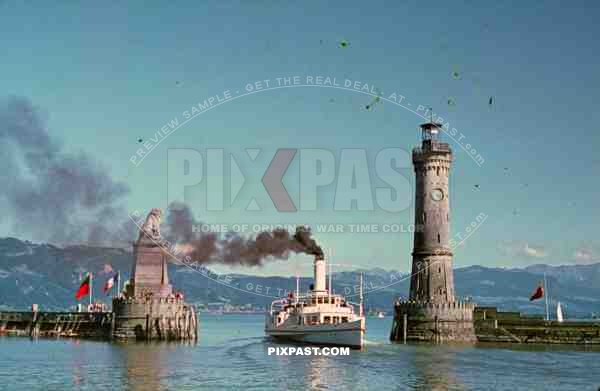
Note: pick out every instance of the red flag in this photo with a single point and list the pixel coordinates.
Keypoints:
(538, 294)
(84, 288)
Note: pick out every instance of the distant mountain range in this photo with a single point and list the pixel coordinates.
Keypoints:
(49, 276)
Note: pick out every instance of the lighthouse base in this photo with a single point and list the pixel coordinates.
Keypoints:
(433, 322)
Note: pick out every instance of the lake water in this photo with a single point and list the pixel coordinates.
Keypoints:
(231, 354)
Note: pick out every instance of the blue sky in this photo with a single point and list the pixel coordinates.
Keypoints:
(108, 74)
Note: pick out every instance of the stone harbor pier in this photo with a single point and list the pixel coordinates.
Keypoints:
(92, 325)
(150, 308)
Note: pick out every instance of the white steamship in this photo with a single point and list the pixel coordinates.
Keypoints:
(319, 317)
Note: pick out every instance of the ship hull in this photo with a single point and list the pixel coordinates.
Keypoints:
(347, 334)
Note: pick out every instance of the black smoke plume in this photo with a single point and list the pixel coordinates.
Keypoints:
(51, 195)
(233, 249)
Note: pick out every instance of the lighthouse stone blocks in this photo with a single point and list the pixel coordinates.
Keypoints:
(432, 313)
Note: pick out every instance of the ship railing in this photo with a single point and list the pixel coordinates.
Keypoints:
(278, 305)
(354, 306)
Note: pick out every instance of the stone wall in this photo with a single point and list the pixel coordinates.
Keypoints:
(56, 324)
(158, 318)
(433, 322)
(495, 326)
(457, 321)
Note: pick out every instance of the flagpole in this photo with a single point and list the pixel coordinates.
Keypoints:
(546, 296)
(297, 282)
(91, 291)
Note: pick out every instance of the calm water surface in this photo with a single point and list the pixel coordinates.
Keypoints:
(232, 355)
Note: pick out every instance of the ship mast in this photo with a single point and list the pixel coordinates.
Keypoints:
(361, 294)
(330, 273)
(297, 286)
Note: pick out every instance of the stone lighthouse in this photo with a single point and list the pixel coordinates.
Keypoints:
(431, 313)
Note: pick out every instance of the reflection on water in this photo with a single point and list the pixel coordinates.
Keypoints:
(77, 364)
(143, 366)
(319, 372)
(435, 369)
(147, 365)
(226, 360)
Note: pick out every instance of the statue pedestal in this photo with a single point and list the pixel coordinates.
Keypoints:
(154, 319)
(149, 310)
(150, 271)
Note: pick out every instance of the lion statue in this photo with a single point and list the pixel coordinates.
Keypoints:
(151, 227)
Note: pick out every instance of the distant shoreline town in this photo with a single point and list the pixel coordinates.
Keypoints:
(220, 308)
